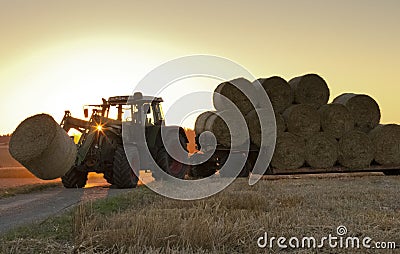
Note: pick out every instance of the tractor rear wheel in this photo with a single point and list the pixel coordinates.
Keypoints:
(108, 176)
(123, 175)
(74, 178)
(169, 165)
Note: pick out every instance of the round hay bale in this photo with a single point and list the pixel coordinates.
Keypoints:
(310, 89)
(280, 123)
(228, 137)
(43, 147)
(321, 150)
(230, 91)
(254, 126)
(363, 108)
(289, 152)
(355, 150)
(386, 139)
(279, 92)
(302, 119)
(336, 119)
(201, 121)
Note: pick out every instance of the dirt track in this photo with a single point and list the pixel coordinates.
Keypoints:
(33, 207)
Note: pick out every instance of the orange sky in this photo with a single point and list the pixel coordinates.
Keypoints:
(57, 55)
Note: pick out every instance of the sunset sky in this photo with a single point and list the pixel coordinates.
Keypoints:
(58, 55)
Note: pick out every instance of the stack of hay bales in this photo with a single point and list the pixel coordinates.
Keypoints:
(232, 101)
(310, 132)
(43, 147)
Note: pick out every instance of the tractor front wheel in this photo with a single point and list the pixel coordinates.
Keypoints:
(123, 175)
(74, 178)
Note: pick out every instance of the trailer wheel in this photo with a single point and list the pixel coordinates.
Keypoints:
(169, 165)
(123, 175)
(391, 172)
(245, 172)
(199, 170)
(74, 178)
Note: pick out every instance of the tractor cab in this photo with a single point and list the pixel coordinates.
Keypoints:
(137, 109)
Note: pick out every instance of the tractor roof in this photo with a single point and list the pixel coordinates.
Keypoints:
(135, 99)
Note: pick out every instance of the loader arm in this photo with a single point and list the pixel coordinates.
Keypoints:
(70, 122)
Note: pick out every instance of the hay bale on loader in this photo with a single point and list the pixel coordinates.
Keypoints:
(228, 137)
(321, 150)
(302, 119)
(386, 139)
(289, 152)
(363, 108)
(43, 147)
(310, 89)
(356, 150)
(336, 119)
(254, 126)
(229, 90)
(279, 92)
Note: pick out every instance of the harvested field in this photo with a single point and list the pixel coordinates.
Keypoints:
(5, 158)
(229, 222)
(363, 108)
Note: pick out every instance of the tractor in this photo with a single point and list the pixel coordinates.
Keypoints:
(101, 144)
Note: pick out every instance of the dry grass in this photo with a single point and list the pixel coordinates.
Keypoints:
(5, 158)
(229, 222)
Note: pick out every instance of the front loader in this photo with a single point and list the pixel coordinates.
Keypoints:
(101, 149)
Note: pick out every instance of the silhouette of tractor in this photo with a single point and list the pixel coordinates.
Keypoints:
(101, 148)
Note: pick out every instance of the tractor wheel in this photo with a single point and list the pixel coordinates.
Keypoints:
(74, 178)
(391, 172)
(169, 165)
(200, 170)
(108, 176)
(123, 175)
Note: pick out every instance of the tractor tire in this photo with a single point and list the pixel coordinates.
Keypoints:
(201, 170)
(169, 165)
(123, 175)
(108, 175)
(74, 178)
